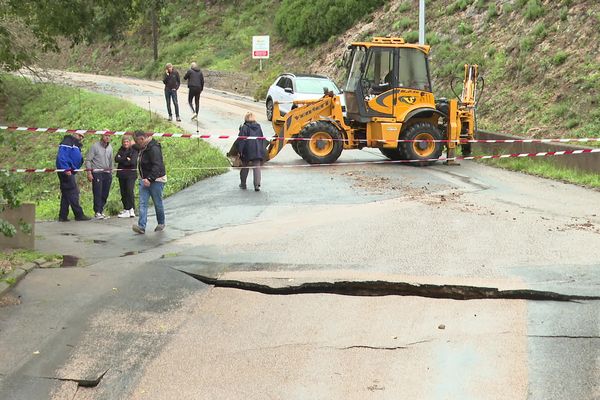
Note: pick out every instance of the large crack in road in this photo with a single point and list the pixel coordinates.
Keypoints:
(385, 288)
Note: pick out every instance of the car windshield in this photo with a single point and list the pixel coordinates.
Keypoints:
(315, 85)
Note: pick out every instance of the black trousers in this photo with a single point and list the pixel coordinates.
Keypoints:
(127, 185)
(69, 197)
(256, 175)
(100, 188)
(194, 94)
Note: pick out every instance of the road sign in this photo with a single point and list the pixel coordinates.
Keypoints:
(260, 47)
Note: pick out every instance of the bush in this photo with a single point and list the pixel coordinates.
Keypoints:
(492, 12)
(432, 38)
(564, 12)
(404, 7)
(307, 22)
(527, 44)
(412, 37)
(403, 23)
(539, 31)
(465, 29)
(559, 58)
(458, 5)
(534, 10)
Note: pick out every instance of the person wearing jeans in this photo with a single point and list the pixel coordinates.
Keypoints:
(171, 81)
(154, 191)
(153, 177)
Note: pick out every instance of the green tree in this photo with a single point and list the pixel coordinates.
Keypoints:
(306, 22)
(30, 26)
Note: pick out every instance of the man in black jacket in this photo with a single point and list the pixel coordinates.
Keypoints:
(195, 85)
(171, 81)
(153, 177)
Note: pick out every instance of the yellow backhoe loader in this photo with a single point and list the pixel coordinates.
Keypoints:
(389, 106)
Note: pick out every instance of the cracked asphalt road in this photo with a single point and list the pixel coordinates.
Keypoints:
(156, 333)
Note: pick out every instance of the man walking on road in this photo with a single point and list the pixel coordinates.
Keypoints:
(195, 85)
(153, 177)
(100, 156)
(69, 157)
(171, 81)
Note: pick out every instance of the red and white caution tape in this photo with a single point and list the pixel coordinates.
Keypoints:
(458, 158)
(292, 139)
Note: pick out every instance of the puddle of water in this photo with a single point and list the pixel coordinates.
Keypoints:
(69, 261)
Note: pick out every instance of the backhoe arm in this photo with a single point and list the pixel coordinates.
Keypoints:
(291, 124)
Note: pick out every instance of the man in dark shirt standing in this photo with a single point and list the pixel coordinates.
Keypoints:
(195, 85)
(171, 81)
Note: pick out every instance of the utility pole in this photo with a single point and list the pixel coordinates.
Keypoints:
(421, 22)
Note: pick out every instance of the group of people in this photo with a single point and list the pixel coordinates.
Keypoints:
(144, 158)
(195, 80)
(141, 156)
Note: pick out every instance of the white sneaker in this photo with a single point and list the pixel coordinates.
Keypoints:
(124, 214)
(132, 213)
(104, 216)
(195, 116)
(98, 216)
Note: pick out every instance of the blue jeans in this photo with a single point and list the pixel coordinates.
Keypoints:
(155, 190)
(172, 94)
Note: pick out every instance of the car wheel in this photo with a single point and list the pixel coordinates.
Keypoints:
(269, 109)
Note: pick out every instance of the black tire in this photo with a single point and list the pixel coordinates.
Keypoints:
(392, 154)
(424, 151)
(325, 144)
(466, 149)
(294, 144)
(269, 106)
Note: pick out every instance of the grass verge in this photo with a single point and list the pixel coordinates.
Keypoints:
(545, 168)
(46, 105)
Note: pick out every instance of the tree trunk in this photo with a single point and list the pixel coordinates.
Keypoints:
(154, 34)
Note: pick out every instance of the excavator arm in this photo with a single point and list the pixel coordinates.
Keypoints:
(461, 115)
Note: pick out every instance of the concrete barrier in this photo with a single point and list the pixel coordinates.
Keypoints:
(22, 214)
(581, 162)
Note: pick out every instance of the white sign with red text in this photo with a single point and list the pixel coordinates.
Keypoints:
(260, 47)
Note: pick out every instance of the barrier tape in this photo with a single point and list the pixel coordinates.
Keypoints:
(458, 158)
(291, 139)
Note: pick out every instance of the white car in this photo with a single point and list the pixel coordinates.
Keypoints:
(290, 87)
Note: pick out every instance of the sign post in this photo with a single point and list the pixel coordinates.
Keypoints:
(260, 48)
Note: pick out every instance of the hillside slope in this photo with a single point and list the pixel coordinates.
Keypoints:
(540, 59)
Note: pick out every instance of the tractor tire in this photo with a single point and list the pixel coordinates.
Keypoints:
(465, 149)
(269, 106)
(392, 154)
(323, 145)
(426, 152)
(294, 145)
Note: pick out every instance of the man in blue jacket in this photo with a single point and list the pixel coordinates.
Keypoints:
(69, 157)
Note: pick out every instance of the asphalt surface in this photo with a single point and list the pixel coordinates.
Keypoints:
(129, 323)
